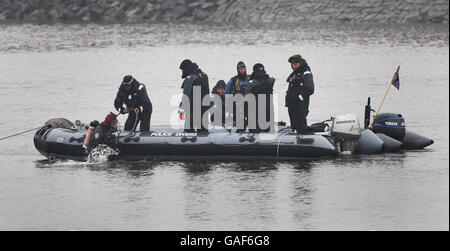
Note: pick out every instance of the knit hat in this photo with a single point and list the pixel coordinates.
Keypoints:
(127, 80)
(241, 65)
(220, 84)
(258, 67)
(295, 59)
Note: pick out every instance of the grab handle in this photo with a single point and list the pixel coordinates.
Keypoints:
(250, 139)
(185, 139)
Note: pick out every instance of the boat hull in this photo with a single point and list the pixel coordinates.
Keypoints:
(170, 144)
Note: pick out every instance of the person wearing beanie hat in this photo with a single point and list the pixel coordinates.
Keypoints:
(258, 68)
(219, 91)
(193, 76)
(295, 59)
(238, 83)
(261, 85)
(134, 96)
(240, 64)
(301, 87)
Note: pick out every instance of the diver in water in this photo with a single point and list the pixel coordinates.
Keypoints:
(193, 77)
(301, 87)
(134, 96)
(102, 133)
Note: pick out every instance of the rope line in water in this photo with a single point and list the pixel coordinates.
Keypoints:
(20, 133)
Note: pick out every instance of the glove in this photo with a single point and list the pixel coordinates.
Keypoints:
(181, 113)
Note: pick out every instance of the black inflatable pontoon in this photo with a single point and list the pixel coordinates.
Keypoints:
(388, 134)
(165, 143)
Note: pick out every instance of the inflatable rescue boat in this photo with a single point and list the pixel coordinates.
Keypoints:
(62, 139)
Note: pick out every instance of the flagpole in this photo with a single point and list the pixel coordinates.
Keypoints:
(385, 95)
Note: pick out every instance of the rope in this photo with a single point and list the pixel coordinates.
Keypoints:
(20, 133)
(279, 142)
(135, 124)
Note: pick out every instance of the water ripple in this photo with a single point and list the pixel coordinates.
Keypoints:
(74, 37)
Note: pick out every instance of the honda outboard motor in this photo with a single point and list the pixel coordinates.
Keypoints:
(345, 132)
(390, 124)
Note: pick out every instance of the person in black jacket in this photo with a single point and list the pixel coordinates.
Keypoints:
(261, 85)
(301, 87)
(194, 77)
(134, 96)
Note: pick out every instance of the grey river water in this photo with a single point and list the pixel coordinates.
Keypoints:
(73, 71)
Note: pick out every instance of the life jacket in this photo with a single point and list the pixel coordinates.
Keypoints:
(236, 87)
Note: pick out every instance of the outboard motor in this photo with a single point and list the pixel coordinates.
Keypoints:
(391, 129)
(390, 124)
(345, 132)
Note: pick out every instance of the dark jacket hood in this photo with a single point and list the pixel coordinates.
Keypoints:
(192, 68)
(259, 75)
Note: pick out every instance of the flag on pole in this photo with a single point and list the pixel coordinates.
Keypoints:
(395, 82)
(396, 79)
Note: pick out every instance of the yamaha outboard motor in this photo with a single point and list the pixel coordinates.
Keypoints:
(391, 129)
(390, 124)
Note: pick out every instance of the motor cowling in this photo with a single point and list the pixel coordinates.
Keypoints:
(346, 125)
(390, 124)
(345, 132)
